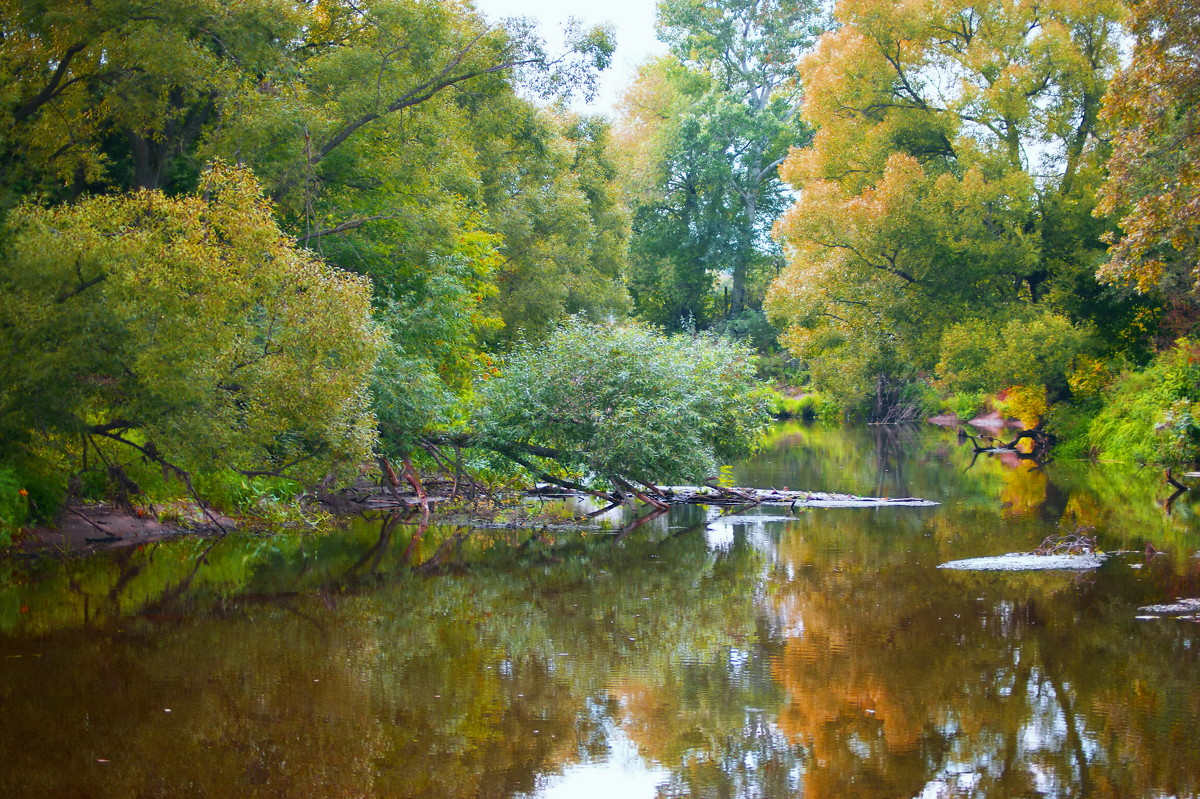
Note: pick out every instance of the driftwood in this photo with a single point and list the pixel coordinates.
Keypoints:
(725, 497)
(1041, 440)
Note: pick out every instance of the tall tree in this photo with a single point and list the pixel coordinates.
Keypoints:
(388, 176)
(951, 177)
(1153, 108)
(549, 183)
(718, 187)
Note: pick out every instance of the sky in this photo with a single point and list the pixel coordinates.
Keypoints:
(633, 20)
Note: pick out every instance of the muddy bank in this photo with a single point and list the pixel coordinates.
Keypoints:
(83, 528)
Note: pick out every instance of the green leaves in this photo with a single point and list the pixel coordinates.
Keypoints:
(713, 122)
(189, 326)
(626, 402)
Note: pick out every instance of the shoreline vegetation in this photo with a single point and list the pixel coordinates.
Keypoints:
(233, 271)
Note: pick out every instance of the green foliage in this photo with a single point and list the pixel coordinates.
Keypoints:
(920, 399)
(710, 124)
(751, 327)
(627, 402)
(1151, 416)
(549, 181)
(967, 350)
(782, 368)
(808, 407)
(1069, 423)
(14, 505)
(967, 405)
(118, 95)
(979, 356)
(191, 328)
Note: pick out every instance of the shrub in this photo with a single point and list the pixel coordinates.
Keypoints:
(966, 406)
(14, 505)
(982, 357)
(809, 407)
(626, 402)
(1152, 416)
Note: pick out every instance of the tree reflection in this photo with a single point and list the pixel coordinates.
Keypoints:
(898, 675)
(818, 655)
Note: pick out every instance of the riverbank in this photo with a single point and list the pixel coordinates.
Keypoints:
(83, 528)
(87, 527)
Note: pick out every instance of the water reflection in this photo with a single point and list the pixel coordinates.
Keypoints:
(700, 654)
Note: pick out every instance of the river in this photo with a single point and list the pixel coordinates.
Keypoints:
(774, 653)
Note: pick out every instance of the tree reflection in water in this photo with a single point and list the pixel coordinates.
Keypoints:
(822, 656)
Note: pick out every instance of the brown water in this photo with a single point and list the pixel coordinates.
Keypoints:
(818, 654)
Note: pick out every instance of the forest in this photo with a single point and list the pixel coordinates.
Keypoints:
(253, 249)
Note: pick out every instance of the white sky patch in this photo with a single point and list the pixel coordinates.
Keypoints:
(632, 19)
(623, 774)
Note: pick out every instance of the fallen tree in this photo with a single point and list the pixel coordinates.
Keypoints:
(665, 496)
(608, 410)
(1041, 443)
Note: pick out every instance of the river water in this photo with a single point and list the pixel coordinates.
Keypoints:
(773, 653)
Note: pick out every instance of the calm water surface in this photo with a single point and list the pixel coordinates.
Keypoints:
(813, 654)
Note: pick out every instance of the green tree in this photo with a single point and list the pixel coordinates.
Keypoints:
(549, 184)
(718, 117)
(101, 95)
(189, 330)
(390, 177)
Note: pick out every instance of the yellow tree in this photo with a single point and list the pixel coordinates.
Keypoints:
(191, 331)
(952, 176)
(1154, 172)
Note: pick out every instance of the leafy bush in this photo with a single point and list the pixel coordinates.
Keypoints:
(626, 402)
(782, 369)
(1152, 416)
(1038, 350)
(14, 505)
(750, 327)
(967, 351)
(809, 407)
(1027, 403)
(920, 398)
(192, 323)
(966, 406)
(1069, 424)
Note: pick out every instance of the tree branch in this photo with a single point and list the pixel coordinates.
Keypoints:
(52, 88)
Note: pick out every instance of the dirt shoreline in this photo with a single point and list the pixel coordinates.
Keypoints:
(83, 528)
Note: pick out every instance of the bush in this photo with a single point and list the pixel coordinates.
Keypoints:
(782, 369)
(1027, 403)
(920, 398)
(191, 327)
(626, 402)
(1152, 416)
(1069, 424)
(14, 505)
(809, 407)
(966, 406)
(981, 357)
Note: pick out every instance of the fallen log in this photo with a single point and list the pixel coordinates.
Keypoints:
(717, 496)
(714, 495)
